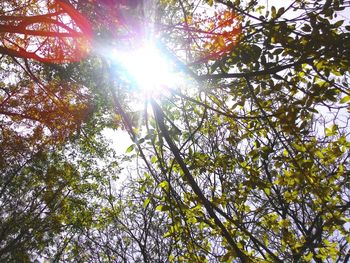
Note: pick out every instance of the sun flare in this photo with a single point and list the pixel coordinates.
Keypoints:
(148, 68)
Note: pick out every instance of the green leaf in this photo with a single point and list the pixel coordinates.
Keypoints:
(154, 159)
(280, 11)
(162, 208)
(273, 12)
(267, 191)
(332, 130)
(210, 2)
(306, 28)
(130, 148)
(339, 23)
(345, 99)
(228, 257)
(141, 140)
(164, 185)
(146, 202)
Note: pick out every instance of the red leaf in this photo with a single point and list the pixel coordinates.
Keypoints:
(58, 34)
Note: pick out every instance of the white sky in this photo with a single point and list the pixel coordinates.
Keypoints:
(119, 139)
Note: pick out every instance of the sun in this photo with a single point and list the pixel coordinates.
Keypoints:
(147, 67)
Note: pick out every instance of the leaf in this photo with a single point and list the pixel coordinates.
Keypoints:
(267, 191)
(210, 2)
(345, 99)
(130, 148)
(162, 208)
(306, 28)
(256, 50)
(146, 202)
(273, 12)
(221, 41)
(164, 185)
(228, 257)
(280, 11)
(154, 159)
(332, 130)
(339, 23)
(141, 141)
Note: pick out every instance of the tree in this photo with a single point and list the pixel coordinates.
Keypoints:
(49, 155)
(263, 166)
(250, 164)
(47, 31)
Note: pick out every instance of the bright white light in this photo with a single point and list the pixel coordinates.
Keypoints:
(148, 67)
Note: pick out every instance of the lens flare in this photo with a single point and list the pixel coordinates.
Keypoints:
(147, 67)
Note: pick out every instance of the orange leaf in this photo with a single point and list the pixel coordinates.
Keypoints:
(58, 34)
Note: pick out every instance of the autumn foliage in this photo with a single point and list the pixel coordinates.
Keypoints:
(35, 111)
(209, 36)
(219, 35)
(47, 31)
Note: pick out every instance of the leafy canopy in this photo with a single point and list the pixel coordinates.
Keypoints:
(248, 161)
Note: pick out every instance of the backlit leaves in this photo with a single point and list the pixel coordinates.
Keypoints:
(47, 31)
(262, 131)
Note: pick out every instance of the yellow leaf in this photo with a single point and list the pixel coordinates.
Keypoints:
(221, 41)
